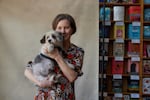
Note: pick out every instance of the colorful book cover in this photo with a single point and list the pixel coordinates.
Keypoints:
(146, 32)
(133, 67)
(146, 66)
(119, 30)
(147, 14)
(105, 13)
(118, 13)
(134, 13)
(146, 85)
(118, 49)
(133, 85)
(133, 32)
(117, 67)
(133, 49)
(146, 1)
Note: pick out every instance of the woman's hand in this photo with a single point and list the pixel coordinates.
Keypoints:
(52, 54)
(45, 84)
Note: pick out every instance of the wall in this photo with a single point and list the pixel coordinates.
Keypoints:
(22, 24)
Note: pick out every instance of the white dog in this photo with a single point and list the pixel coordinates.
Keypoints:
(43, 66)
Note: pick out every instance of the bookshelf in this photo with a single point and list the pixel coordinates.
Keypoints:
(124, 58)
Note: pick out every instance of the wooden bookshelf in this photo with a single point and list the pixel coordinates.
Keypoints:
(108, 77)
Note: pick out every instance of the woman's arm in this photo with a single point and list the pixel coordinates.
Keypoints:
(29, 75)
(67, 71)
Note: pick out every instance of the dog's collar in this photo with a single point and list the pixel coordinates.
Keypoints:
(46, 57)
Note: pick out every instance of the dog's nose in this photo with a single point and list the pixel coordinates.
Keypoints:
(49, 41)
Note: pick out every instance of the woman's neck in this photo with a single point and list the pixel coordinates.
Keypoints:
(66, 45)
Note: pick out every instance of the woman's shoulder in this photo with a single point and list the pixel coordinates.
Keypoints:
(77, 48)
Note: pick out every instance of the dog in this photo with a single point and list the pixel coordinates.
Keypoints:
(43, 66)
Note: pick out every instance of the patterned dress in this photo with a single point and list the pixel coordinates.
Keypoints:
(63, 89)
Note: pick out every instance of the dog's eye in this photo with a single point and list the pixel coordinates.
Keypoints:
(47, 37)
(53, 36)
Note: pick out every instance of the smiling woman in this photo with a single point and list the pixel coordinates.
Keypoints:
(63, 89)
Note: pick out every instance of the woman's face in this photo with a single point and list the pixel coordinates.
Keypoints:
(64, 27)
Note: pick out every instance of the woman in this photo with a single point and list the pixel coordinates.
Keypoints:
(64, 89)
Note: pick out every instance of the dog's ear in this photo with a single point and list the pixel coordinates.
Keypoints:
(43, 40)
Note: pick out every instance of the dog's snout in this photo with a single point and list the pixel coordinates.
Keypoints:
(50, 41)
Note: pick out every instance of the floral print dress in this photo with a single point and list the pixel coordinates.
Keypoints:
(64, 90)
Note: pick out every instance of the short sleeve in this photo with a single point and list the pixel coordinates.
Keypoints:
(75, 57)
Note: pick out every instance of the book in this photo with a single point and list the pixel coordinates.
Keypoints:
(105, 13)
(118, 13)
(133, 31)
(132, 1)
(117, 86)
(147, 14)
(118, 49)
(146, 32)
(144, 49)
(146, 98)
(104, 65)
(119, 30)
(133, 49)
(103, 85)
(133, 67)
(146, 1)
(117, 67)
(104, 31)
(133, 85)
(146, 66)
(146, 85)
(103, 48)
(148, 50)
(134, 13)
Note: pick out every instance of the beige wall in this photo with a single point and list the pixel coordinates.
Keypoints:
(22, 23)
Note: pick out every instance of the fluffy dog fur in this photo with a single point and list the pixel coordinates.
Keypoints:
(43, 66)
